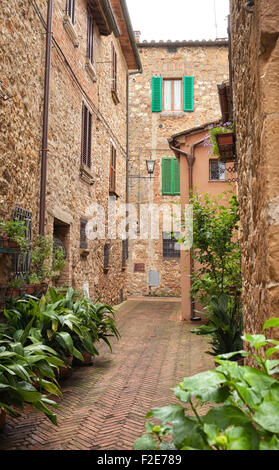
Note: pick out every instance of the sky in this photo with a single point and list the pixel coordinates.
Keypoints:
(179, 19)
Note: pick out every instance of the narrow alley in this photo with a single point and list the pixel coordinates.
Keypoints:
(103, 406)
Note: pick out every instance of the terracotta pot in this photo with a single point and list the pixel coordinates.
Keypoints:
(87, 360)
(6, 242)
(226, 144)
(2, 419)
(30, 288)
(65, 372)
(15, 292)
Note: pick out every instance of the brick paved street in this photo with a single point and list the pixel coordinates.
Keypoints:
(103, 406)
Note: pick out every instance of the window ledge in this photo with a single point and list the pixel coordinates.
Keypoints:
(172, 113)
(69, 27)
(115, 97)
(86, 175)
(217, 181)
(90, 69)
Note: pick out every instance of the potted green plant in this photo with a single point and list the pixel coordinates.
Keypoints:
(221, 141)
(46, 263)
(14, 235)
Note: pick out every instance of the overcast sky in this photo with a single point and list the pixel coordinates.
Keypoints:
(179, 19)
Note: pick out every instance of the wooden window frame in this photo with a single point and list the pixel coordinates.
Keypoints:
(214, 179)
(86, 136)
(114, 77)
(70, 9)
(83, 237)
(112, 170)
(90, 37)
(172, 80)
(106, 256)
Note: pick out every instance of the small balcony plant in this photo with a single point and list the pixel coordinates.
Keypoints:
(14, 235)
(221, 142)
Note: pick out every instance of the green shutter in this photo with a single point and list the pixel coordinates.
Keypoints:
(170, 176)
(176, 176)
(167, 176)
(157, 94)
(188, 93)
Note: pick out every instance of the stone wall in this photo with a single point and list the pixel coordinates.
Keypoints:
(68, 197)
(22, 75)
(255, 56)
(148, 136)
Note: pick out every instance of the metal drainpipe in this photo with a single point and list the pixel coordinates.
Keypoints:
(45, 119)
(128, 140)
(190, 160)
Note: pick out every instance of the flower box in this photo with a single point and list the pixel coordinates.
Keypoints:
(226, 145)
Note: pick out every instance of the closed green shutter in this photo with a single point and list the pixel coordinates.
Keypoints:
(167, 176)
(157, 94)
(188, 93)
(176, 176)
(170, 176)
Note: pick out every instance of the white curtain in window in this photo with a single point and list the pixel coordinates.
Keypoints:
(177, 95)
(167, 95)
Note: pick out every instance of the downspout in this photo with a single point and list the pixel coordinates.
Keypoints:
(45, 119)
(190, 160)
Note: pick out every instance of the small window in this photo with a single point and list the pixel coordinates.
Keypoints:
(217, 170)
(90, 37)
(106, 255)
(86, 143)
(125, 253)
(139, 268)
(171, 249)
(112, 173)
(71, 10)
(172, 95)
(83, 237)
(114, 68)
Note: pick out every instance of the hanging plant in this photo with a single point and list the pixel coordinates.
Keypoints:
(220, 141)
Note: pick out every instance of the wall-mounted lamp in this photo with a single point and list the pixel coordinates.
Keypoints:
(249, 6)
(150, 165)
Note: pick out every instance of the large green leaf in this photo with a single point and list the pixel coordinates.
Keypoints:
(225, 416)
(267, 416)
(145, 442)
(66, 340)
(242, 438)
(270, 443)
(167, 414)
(271, 323)
(187, 432)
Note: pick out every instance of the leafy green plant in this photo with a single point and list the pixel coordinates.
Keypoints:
(211, 140)
(245, 415)
(46, 263)
(24, 370)
(16, 231)
(216, 248)
(224, 325)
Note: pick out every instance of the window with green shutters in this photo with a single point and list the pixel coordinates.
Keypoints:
(188, 94)
(170, 177)
(157, 94)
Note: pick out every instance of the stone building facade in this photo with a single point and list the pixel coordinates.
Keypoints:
(92, 52)
(150, 127)
(255, 67)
